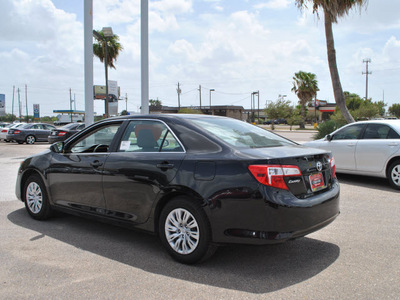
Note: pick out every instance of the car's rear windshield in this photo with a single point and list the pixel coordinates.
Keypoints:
(240, 134)
(70, 126)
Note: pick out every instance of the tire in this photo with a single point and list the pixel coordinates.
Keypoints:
(393, 174)
(20, 142)
(30, 139)
(186, 244)
(36, 199)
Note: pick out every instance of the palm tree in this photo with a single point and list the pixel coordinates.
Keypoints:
(111, 47)
(305, 86)
(334, 9)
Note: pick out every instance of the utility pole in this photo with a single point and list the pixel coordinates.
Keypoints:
(19, 105)
(26, 103)
(366, 61)
(179, 96)
(70, 103)
(126, 102)
(12, 109)
(200, 94)
(74, 103)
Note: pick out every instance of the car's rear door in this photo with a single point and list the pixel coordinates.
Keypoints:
(378, 144)
(145, 162)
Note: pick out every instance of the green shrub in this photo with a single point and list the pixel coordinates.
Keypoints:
(326, 128)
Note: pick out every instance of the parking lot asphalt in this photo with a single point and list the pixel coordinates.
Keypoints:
(355, 257)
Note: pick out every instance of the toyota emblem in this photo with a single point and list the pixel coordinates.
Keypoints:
(318, 165)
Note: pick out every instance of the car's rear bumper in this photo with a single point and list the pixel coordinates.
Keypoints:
(276, 217)
(15, 137)
(54, 138)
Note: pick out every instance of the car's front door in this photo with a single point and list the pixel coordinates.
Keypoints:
(343, 146)
(146, 161)
(75, 176)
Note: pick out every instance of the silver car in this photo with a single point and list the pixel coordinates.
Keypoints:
(4, 130)
(369, 148)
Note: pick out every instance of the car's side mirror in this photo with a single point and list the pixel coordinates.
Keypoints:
(57, 147)
(329, 137)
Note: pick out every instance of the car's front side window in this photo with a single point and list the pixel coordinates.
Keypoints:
(97, 141)
(351, 132)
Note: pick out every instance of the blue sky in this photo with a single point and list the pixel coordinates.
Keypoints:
(235, 47)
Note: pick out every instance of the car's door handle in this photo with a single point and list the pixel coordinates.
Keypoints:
(165, 166)
(393, 144)
(96, 164)
(351, 144)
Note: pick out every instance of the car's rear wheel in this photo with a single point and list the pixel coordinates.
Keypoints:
(30, 139)
(185, 231)
(35, 198)
(393, 174)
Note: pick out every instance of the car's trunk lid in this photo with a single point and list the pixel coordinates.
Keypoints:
(314, 164)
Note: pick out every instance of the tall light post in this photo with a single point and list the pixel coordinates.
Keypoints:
(88, 42)
(211, 90)
(108, 33)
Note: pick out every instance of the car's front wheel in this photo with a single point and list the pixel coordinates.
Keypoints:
(35, 198)
(185, 231)
(393, 174)
(30, 139)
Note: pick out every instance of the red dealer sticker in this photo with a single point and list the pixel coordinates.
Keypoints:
(317, 182)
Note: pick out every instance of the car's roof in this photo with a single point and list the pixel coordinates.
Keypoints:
(393, 123)
(168, 116)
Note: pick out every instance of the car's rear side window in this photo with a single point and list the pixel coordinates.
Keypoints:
(380, 131)
(148, 136)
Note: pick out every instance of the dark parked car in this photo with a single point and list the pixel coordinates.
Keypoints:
(197, 181)
(30, 133)
(62, 133)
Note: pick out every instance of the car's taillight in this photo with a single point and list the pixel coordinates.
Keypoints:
(272, 175)
(4, 130)
(17, 132)
(61, 133)
(333, 167)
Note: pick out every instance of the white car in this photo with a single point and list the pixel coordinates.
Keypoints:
(4, 130)
(369, 148)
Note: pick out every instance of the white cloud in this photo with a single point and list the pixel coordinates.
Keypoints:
(273, 4)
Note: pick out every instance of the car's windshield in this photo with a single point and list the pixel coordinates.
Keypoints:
(241, 134)
(27, 125)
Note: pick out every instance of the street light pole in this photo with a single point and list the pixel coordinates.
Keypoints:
(106, 72)
(108, 33)
(211, 90)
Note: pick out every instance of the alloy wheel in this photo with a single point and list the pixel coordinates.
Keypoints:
(395, 174)
(34, 197)
(182, 231)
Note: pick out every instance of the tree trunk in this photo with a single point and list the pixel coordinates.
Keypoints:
(303, 113)
(337, 86)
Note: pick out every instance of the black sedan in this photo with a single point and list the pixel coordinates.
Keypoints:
(197, 181)
(30, 133)
(62, 133)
